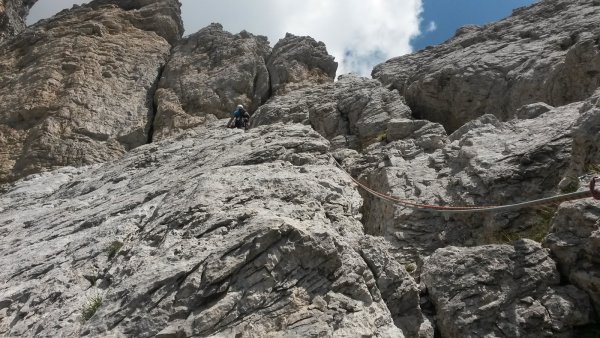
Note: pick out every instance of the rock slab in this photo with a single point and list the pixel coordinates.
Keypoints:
(257, 233)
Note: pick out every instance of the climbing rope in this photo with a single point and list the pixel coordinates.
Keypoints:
(473, 209)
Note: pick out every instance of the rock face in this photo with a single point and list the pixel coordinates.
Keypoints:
(299, 61)
(547, 52)
(502, 291)
(12, 16)
(90, 73)
(257, 233)
(486, 162)
(586, 138)
(161, 16)
(575, 242)
(212, 71)
(354, 112)
(214, 232)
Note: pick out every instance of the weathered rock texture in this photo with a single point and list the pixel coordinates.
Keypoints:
(299, 61)
(77, 89)
(160, 16)
(353, 112)
(575, 242)
(212, 71)
(486, 162)
(547, 52)
(263, 240)
(586, 139)
(502, 291)
(219, 232)
(12, 16)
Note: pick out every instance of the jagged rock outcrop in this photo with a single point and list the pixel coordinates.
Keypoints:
(212, 71)
(12, 16)
(502, 291)
(188, 237)
(216, 232)
(353, 112)
(575, 242)
(160, 16)
(486, 162)
(546, 52)
(77, 88)
(299, 61)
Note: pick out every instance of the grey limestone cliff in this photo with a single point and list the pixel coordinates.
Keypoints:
(127, 209)
(547, 52)
(77, 88)
(275, 255)
(212, 71)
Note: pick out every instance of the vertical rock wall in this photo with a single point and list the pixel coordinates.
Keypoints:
(89, 74)
(212, 71)
(547, 52)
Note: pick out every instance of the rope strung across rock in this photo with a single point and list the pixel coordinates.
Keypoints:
(473, 209)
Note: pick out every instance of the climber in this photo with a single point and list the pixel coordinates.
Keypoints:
(239, 119)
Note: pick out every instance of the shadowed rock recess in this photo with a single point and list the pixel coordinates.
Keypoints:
(127, 209)
(12, 16)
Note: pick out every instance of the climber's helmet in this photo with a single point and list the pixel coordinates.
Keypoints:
(239, 106)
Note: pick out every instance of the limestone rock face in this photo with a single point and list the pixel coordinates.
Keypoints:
(77, 89)
(353, 112)
(212, 71)
(575, 242)
(160, 16)
(486, 162)
(12, 16)
(502, 290)
(398, 289)
(214, 232)
(547, 52)
(299, 61)
(256, 232)
(586, 138)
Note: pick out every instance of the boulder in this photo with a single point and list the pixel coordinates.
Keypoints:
(502, 290)
(533, 110)
(547, 52)
(77, 88)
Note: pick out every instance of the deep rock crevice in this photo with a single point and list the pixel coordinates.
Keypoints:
(153, 106)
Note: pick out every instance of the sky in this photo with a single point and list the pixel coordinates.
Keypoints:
(358, 33)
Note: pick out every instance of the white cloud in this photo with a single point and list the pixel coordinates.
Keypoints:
(431, 27)
(358, 33)
(44, 9)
